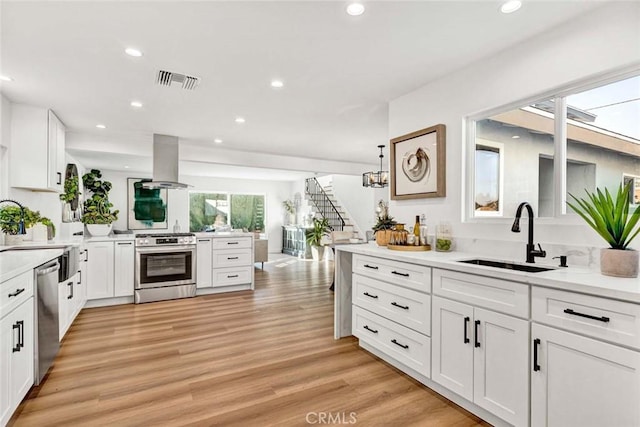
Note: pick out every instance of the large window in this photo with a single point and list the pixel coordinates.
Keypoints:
(547, 150)
(210, 210)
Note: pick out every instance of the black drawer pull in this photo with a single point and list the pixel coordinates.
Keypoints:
(203, 240)
(400, 274)
(17, 292)
(477, 342)
(536, 343)
(370, 330)
(232, 276)
(21, 323)
(70, 285)
(404, 307)
(588, 316)
(59, 178)
(373, 267)
(233, 243)
(232, 257)
(367, 294)
(466, 334)
(17, 347)
(400, 345)
(125, 243)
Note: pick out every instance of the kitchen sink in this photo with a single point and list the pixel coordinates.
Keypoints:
(507, 265)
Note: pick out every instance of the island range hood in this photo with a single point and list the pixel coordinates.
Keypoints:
(165, 164)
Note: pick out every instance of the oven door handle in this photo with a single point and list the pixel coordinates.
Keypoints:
(156, 249)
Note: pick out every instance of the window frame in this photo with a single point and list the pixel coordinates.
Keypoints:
(229, 194)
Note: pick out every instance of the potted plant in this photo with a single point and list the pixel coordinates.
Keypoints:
(610, 218)
(12, 224)
(314, 237)
(384, 224)
(70, 196)
(98, 216)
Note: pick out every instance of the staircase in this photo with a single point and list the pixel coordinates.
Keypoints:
(323, 201)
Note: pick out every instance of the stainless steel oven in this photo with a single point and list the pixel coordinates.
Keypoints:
(165, 267)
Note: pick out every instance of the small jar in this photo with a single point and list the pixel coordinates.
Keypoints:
(444, 239)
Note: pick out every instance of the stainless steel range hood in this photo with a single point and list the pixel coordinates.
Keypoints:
(165, 163)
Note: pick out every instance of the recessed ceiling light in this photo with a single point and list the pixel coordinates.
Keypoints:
(6, 78)
(217, 141)
(240, 120)
(136, 104)
(277, 84)
(355, 9)
(510, 6)
(101, 126)
(516, 137)
(133, 52)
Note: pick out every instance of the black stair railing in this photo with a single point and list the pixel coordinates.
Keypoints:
(324, 205)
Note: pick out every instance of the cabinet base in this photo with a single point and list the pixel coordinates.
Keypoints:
(164, 293)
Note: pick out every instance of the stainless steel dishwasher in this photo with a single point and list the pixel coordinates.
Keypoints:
(46, 315)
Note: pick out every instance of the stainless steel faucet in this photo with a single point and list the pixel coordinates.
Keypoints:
(532, 252)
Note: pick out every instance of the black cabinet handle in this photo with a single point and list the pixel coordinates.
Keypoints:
(79, 277)
(370, 330)
(476, 333)
(373, 267)
(70, 285)
(588, 316)
(59, 178)
(404, 307)
(466, 325)
(400, 274)
(13, 328)
(399, 345)
(21, 323)
(125, 243)
(371, 296)
(232, 276)
(17, 292)
(203, 240)
(86, 255)
(536, 343)
(232, 257)
(232, 243)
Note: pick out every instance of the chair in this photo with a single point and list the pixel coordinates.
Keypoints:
(260, 251)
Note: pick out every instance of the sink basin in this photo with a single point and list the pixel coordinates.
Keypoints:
(507, 265)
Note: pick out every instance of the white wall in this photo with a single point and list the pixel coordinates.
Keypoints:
(599, 42)
(275, 191)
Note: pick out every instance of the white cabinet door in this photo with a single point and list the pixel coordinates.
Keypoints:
(500, 373)
(124, 269)
(100, 262)
(81, 285)
(204, 266)
(8, 339)
(579, 381)
(64, 306)
(452, 346)
(55, 159)
(61, 163)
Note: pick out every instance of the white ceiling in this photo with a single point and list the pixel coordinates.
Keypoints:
(339, 71)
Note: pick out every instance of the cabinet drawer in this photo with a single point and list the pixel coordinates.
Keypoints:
(405, 306)
(597, 317)
(15, 291)
(231, 243)
(499, 295)
(412, 276)
(231, 276)
(406, 346)
(231, 257)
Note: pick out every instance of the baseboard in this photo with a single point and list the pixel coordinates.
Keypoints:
(105, 302)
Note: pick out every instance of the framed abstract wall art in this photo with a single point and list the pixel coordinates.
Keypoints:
(146, 208)
(418, 164)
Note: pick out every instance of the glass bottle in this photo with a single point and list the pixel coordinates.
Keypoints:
(444, 240)
(416, 230)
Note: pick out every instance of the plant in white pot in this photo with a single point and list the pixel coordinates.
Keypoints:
(314, 237)
(98, 216)
(611, 219)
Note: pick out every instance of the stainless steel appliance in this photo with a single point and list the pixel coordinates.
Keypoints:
(47, 343)
(165, 267)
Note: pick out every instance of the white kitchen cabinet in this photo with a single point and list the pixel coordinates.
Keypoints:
(482, 356)
(100, 269)
(231, 262)
(16, 357)
(580, 381)
(204, 266)
(66, 304)
(124, 269)
(37, 151)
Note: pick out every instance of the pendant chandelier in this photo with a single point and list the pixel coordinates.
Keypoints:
(378, 179)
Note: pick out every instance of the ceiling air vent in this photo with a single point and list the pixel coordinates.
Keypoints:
(167, 78)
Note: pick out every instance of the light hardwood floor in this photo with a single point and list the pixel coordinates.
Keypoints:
(248, 359)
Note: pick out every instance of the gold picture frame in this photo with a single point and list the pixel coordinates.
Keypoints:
(418, 164)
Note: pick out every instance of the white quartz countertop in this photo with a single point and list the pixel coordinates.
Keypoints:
(223, 234)
(14, 263)
(576, 279)
(50, 244)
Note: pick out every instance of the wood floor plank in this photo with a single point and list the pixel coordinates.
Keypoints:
(262, 358)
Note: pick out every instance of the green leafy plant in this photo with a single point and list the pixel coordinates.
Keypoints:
(46, 221)
(289, 206)
(609, 216)
(71, 191)
(320, 229)
(10, 219)
(384, 220)
(97, 208)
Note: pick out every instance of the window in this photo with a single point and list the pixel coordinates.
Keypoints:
(210, 210)
(571, 142)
